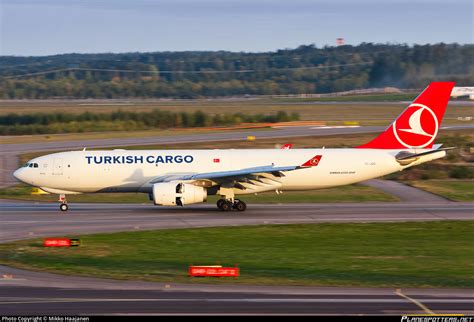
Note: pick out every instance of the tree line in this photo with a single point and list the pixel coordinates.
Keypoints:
(195, 74)
(50, 123)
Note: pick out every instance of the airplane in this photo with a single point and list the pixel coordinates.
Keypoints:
(463, 91)
(184, 177)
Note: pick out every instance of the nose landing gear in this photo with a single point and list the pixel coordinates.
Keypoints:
(63, 201)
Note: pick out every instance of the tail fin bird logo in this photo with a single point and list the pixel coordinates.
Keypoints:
(314, 161)
(417, 127)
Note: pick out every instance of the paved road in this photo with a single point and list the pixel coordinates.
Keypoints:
(25, 292)
(9, 152)
(9, 162)
(399, 103)
(54, 301)
(404, 192)
(284, 132)
(22, 220)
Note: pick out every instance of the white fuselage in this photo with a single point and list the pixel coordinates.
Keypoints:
(133, 170)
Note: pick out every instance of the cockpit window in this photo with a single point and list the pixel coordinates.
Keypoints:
(30, 165)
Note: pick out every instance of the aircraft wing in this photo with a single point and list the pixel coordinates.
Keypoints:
(277, 171)
(260, 178)
(222, 175)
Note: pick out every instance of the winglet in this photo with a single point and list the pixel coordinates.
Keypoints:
(287, 146)
(314, 161)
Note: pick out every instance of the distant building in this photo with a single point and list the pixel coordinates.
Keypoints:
(340, 41)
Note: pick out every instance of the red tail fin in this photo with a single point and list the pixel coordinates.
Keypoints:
(418, 125)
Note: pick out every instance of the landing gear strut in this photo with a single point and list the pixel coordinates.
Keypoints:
(63, 201)
(227, 205)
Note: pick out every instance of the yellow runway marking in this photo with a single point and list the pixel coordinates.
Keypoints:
(418, 303)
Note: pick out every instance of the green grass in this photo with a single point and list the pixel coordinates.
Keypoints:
(422, 254)
(320, 111)
(392, 97)
(17, 139)
(353, 193)
(375, 112)
(456, 190)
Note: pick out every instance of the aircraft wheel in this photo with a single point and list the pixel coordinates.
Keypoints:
(64, 207)
(226, 206)
(220, 202)
(240, 205)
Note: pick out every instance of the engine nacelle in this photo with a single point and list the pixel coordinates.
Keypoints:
(177, 194)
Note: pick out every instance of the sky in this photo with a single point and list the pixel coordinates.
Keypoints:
(47, 27)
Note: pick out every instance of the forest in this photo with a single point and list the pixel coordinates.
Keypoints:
(51, 123)
(200, 74)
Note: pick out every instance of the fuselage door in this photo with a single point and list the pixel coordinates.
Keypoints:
(58, 166)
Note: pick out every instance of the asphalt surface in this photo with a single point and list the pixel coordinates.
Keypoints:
(404, 192)
(21, 220)
(24, 292)
(28, 300)
(282, 132)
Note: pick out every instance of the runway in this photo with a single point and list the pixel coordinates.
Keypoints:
(36, 293)
(21, 220)
(281, 132)
(26, 292)
(29, 300)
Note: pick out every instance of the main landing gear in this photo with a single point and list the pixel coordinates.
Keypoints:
(63, 201)
(227, 205)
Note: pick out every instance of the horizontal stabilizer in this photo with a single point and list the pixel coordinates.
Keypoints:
(405, 157)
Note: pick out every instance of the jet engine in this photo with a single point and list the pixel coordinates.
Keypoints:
(177, 194)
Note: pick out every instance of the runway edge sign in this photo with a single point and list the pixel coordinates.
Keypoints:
(61, 242)
(213, 271)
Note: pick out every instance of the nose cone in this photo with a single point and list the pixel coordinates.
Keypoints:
(20, 175)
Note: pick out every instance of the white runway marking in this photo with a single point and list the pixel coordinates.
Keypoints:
(233, 300)
(335, 127)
